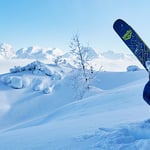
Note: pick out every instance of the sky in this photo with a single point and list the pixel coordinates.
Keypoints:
(52, 23)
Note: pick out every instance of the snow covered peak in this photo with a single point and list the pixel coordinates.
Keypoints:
(57, 52)
(89, 52)
(6, 51)
(109, 60)
(113, 55)
(30, 52)
(36, 52)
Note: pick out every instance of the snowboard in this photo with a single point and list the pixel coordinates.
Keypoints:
(133, 41)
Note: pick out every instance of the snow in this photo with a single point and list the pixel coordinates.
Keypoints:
(113, 55)
(16, 83)
(6, 51)
(133, 68)
(41, 109)
(106, 61)
(36, 52)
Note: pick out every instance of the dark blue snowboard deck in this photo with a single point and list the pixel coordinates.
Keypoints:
(133, 41)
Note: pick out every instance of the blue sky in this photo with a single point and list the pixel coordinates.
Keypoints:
(52, 23)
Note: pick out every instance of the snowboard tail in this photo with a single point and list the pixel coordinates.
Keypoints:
(133, 41)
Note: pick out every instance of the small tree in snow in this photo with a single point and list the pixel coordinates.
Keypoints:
(77, 51)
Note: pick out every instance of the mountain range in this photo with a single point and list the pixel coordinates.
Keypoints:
(36, 52)
(106, 60)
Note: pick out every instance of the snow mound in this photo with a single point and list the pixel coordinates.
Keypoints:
(36, 74)
(16, 83)
(133, 68)
(37, 67)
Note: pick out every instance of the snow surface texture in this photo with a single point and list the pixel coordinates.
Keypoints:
(106, 119)
(40, 109)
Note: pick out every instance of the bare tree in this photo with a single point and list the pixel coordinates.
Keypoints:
(77, 50)
(86, 73)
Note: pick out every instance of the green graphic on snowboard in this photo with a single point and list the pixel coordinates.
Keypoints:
(127, 35)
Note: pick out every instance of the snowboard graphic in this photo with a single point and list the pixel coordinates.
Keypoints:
(133, 41)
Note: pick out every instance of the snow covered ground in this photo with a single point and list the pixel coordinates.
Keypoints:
(39, 109)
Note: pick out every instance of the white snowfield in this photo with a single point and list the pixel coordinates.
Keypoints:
(39, 109)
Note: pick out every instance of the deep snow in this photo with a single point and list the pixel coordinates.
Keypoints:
(111, 116)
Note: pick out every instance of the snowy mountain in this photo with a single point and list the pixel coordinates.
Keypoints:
(6, 51)
(38, 53)
(35, 52)
(114, 55)
(107, 61)
(89, 53)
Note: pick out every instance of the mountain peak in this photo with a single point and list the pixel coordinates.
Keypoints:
(36, 52)
(6, 50)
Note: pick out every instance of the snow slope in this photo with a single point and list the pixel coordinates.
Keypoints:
(112, 115)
